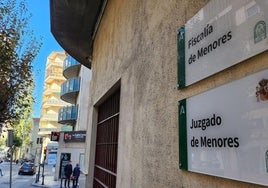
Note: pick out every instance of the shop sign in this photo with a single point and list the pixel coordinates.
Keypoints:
(75, 136)
(223, 131)
(220, 35)
(55, 136)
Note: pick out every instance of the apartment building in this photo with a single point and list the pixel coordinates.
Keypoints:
(51, 101)
(73, 116)
(35, 147)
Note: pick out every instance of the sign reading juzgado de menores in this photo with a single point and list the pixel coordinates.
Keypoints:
(220, 35)
(223, 131)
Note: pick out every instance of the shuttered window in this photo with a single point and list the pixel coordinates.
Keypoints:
(107, 143)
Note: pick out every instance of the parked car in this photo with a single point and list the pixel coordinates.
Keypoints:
(27, 168)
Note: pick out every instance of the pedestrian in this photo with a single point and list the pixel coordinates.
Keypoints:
(1, 172)
(76, 174)
(68, 169)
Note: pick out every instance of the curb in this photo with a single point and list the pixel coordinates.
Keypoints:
(40, 185)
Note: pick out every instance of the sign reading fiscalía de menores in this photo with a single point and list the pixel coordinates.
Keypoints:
(222, 34)
(224, 131)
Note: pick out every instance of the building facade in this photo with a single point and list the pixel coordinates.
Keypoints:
(35, 148)
(73, 117)
(51, 101)
(134, 126)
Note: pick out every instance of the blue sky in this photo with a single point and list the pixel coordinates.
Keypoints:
(40, 24)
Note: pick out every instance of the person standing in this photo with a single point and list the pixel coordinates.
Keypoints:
(68, 169)
(76, 174)
(1, 172)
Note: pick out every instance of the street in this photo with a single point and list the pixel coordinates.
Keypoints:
(18, 181)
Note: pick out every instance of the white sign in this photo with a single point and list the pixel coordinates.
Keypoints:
(222, 34)
(227, 130)
(52, 158)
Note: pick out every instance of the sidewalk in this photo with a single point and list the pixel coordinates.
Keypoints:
(6, 172)
(49, 181)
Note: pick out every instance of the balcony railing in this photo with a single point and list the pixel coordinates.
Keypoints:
(49, 90)
(69, 61)
(70, 90)
(53, 63)
(53, 74)
(54, 102)
(68, 114)
(47, 131)
(50, 117)
(71, 67)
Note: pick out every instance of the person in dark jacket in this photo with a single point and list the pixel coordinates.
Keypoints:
(76, 174)
(68, 169)
(1, 172)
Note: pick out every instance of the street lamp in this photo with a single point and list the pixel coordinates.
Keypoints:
(39, 141)
(10, 139)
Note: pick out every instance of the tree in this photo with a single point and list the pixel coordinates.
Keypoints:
(17, 141)
(2, 141)
(18, 48)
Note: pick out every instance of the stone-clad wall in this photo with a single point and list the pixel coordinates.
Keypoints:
(136, 45)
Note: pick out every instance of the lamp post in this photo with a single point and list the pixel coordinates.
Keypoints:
(10, 145)
(43, 172)
(44, 159)
(39, 141)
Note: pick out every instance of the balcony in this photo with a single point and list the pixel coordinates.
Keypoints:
(49, 117)
(71, 67)
(68, 115)
(70, 90)
(53, 63)
(53, 102)
(46, 131)
(50, 90)
(52, 76)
